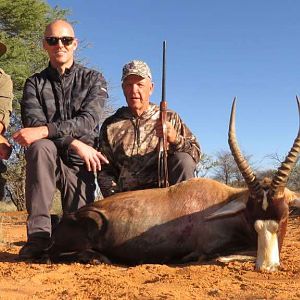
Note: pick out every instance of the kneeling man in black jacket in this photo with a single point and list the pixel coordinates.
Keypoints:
(60, 109)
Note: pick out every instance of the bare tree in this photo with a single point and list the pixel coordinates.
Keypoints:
(294, 178)
(225, 167)
(15, 179)
(226, 170)
(205, 165)
(269, 173)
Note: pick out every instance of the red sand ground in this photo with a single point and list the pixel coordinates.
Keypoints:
(235, 280)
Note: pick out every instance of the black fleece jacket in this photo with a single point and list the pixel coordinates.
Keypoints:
(70, 105)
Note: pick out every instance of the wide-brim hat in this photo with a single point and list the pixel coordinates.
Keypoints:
(2, 49)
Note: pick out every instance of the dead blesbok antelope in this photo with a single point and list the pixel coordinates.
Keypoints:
(195, 219)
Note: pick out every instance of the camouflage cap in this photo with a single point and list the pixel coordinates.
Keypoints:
(2, 49)
(136, 67)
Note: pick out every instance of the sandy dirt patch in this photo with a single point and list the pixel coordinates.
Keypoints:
(235, 280)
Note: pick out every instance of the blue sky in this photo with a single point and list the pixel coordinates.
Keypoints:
(215, 50)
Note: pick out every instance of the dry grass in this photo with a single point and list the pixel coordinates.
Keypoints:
(4, 208)
(1, 231)
(7, 206)
(56, 206)
(16, 218)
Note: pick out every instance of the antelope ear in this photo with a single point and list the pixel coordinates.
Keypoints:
(293, 198)
(229, 209)
(93, 221)
(295, 203)
(90, 217)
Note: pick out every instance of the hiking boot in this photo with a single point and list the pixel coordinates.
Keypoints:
(35, 248)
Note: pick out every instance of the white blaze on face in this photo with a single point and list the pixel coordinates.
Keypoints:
(267, 246)
(265, 202)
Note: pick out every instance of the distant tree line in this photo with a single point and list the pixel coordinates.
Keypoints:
(224, 169)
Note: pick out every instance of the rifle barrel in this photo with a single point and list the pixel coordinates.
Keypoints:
(163, 90)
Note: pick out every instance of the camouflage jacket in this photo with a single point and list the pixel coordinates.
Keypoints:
(6, 96)
(70, 105)
(130, 144)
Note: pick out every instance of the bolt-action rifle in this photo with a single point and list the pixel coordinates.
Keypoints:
(163, 180)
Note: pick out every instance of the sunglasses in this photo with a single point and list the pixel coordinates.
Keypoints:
(53, 41)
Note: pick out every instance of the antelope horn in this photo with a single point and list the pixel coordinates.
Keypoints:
(282, 175)
(244, 167)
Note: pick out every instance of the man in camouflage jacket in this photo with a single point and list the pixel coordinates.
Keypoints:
(129, 139)
(60, 109)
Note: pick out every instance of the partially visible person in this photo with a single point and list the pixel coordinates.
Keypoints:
(6, 97)
(129, 139)
(61, 109)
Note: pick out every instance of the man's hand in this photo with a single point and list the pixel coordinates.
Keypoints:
(171, 132)
(92, 157)
(26, 136)
(5, 148)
